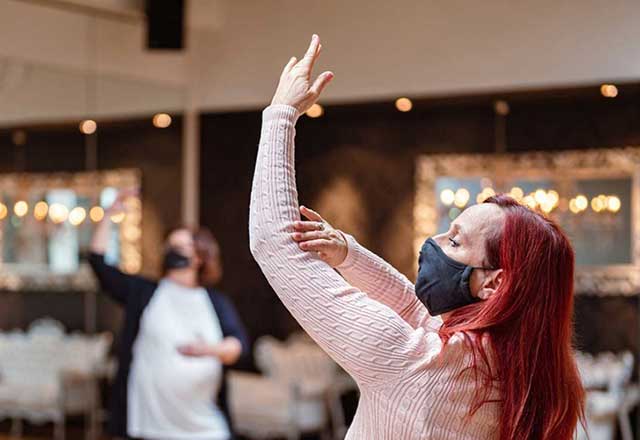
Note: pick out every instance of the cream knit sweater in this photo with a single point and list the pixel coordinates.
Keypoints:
(368, 320)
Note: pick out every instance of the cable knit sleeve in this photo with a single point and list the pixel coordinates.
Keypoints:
(369, 340)
(383, 282)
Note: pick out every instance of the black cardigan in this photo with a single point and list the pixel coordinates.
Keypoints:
(134, 293)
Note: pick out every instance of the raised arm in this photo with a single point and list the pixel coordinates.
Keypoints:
(367, 338)
(383, 282)
(362, 268)
(112, 280)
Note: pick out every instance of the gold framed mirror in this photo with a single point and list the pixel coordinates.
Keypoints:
(46, 223)
(593, 194)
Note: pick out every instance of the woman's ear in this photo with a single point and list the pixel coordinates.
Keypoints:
(491, 284)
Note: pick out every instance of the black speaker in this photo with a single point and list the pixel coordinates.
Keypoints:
(165, 24)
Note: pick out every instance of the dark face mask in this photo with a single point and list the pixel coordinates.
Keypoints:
(443, 283)
(175, 260)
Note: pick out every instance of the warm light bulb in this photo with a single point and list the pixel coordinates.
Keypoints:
(541, 196)
(21, 208)
(96, 214)
(161, 120)
(501, 107)
(461, 197)
(614, 204)
(553, 197)
(88, 126)
(573, 206)
(582, 202)
(517, 193)
(447, 197)
(597, 204)
(609, 90)
(404, 104)
(77, 215)
(117, 218)
(58, 213)
(315, 111)
(3, 211)
(530, 201)
(40, 210)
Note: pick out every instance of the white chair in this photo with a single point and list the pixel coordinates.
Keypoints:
(46, 375)
(610, 398)
(295, 394)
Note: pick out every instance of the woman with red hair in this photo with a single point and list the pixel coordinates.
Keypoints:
(478, 348)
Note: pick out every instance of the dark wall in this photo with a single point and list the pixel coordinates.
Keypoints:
(129, 144)
(364, 155)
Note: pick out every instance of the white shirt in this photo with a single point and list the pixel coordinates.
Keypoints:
(172, 396)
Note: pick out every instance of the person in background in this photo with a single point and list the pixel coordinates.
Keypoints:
(177, 341)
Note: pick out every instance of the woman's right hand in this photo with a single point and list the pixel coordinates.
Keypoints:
(295, 87)
(317, 235)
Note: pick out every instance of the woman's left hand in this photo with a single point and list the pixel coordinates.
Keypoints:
(295, 87)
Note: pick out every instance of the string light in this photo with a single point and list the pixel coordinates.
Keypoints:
(461, 197)
(58, 213)
(447, 197)
(117, 218)
(21, 208)
(40, 210)
(77, 215)
(517, 193)
(96, 214)
(582, 202)
(613, 204)
(485, 194)
(3, 211)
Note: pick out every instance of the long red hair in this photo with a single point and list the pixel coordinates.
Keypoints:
(529, 326)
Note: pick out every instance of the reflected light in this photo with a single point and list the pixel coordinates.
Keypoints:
(117, 218)
(447, 197)
(315, 111)
(21, 208)
(614, 204)
(96, 214)
(582, 202)
(461, 197)
(58, 213)
(40, 210)
(530, 201)
(77, 215)
(573, 207)
(404, 104)
(541, 196)
(599, 203)
(517, 193)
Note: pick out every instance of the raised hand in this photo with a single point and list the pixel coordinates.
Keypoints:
(317, 235)
(295, 87)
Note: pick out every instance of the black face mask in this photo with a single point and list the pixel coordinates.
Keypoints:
(443, 283)
(175, 260)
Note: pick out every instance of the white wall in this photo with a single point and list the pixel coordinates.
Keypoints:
(431, 47)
